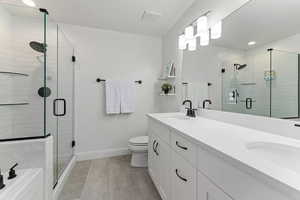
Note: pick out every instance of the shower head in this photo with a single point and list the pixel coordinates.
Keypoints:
(239, 66)
(242, 66)
(37, 46)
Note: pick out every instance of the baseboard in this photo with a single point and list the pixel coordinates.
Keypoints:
(63, 179)
(91, 155)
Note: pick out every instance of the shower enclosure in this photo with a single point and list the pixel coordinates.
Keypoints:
(36, 81)
(267, 85)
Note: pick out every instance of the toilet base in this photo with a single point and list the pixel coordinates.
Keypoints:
(139, 159)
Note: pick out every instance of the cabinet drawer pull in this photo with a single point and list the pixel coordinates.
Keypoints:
(156, 149)
(153, 145)
(181, 147)
(184, 179)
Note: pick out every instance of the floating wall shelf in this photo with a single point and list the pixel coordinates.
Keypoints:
(167, 78)
(247, 83)
(13, 104)
(13, 73)
(170, 94)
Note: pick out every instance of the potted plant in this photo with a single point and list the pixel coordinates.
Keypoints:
(166, 88)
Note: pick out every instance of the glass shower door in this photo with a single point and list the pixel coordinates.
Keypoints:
(284, 77)
(63, 105)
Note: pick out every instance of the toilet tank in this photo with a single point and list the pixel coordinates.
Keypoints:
(28, 185)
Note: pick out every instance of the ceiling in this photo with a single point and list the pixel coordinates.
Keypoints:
(119, 15)
(263, 21)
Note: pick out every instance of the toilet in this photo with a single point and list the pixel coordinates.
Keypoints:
(139, 151)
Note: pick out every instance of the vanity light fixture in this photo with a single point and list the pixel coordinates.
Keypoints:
(192, 44)
(182, 42)
(189, 32)
(204, 38)
(251, 43)
(29, 3)
(204, 31)
(216, 30)
(202, 25)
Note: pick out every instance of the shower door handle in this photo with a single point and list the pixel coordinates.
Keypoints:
(54, 107)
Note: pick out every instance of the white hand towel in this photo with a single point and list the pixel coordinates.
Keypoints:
(197, 93)
(113, 97)
(128, 95)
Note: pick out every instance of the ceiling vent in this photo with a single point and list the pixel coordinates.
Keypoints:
(150, 16)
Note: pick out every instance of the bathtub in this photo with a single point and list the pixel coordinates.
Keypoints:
(28, 185)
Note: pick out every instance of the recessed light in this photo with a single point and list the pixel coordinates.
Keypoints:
(251, 43)
(29, 3)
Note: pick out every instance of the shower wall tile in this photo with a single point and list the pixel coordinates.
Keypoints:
(17, 56)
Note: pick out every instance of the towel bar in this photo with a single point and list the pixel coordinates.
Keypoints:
(98, 80)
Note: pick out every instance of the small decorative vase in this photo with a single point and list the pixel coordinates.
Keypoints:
(166, 91)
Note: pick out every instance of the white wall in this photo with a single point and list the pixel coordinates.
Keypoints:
(220, 9)
(111, 55)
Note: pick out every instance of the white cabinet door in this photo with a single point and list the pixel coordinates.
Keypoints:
(208, 191)
(183, 179)
(164, 158)
(153, 157)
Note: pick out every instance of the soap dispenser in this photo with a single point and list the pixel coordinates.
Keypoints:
(1, 181)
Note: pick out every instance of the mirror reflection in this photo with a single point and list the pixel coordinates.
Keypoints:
(254, 67)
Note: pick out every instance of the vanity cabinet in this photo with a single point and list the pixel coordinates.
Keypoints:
(173, 176)
(183, 168)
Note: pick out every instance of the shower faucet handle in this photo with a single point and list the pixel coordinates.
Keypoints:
(12, 172)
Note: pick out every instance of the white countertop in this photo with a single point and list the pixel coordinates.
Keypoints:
(232, 140)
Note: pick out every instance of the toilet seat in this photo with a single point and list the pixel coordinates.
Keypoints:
(139, 141)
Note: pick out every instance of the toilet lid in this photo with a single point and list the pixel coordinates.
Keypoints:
(139, 140)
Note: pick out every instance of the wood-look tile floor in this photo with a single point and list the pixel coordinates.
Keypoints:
(109, 179)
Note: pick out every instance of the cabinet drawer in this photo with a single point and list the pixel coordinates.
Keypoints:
(184, 147)
(160, 130)
(183, 179)
(208, 191)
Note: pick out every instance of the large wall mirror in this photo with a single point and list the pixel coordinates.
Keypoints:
(254, 67)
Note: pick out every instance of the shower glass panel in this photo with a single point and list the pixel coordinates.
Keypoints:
(245, 88)
(60, 79)
(36, 81)
(22, 70)
(284, 84)
(64, 102)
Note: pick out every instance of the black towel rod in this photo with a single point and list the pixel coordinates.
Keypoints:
(98, 80)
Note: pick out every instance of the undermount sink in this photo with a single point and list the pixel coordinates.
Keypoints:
(283, 155)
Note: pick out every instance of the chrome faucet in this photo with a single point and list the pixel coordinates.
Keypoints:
(190, 111)
(204, 103)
